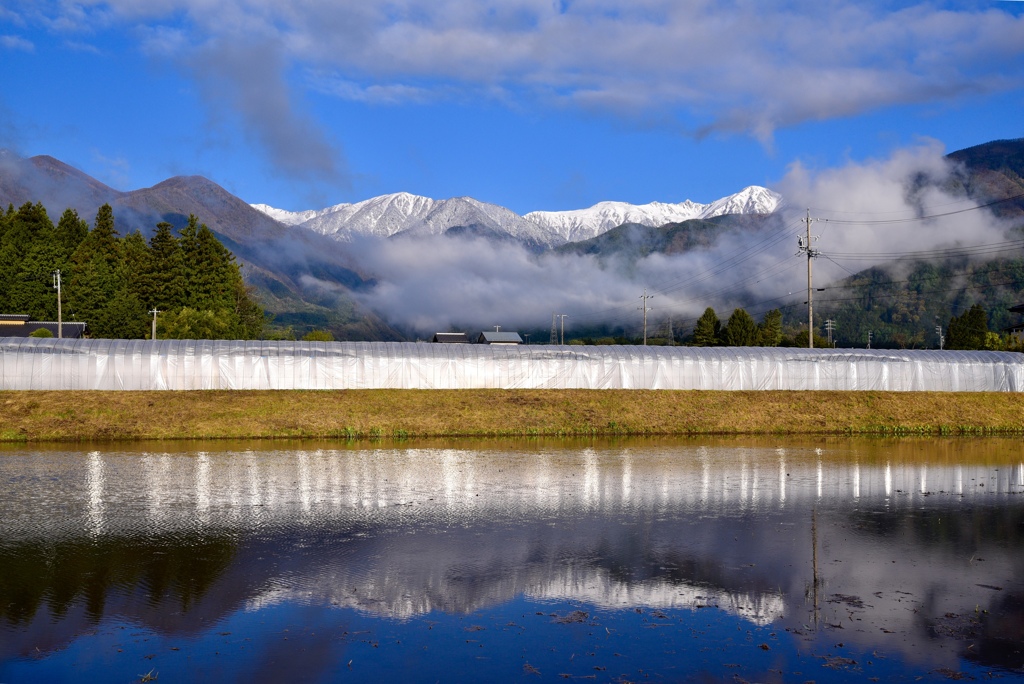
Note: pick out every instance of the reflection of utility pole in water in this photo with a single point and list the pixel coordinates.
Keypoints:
(814, 561)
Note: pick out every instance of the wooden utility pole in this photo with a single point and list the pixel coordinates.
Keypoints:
(805, 246)
(60, 317)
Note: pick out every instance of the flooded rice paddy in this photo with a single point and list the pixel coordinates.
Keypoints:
(739, 560)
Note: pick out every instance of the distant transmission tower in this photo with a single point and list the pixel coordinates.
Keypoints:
(554, 329)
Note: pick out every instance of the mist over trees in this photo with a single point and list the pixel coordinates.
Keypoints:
(112, 283)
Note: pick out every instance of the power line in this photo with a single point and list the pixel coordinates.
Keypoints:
(1016, 281)
(916, 219)
(995, 269)
(973, 250)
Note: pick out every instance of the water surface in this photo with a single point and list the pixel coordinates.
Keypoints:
(762, 560)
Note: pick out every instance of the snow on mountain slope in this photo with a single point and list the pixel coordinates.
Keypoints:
(382, 216)
(583, 224)
(293, 218)
(468, 212)
(750, 200)
(404, 213)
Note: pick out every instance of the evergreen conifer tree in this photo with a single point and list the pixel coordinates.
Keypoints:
(165, 278)
(97, 275)
(740, 330)
(769, 333)
(28, 256)
(708, 329)
(968, 331)
(128, 311)
(71, 230)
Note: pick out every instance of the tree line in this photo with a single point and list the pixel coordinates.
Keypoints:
(112, 283)
(968, 331)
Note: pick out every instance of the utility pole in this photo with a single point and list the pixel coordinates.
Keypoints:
(563, 317)
(942, 338)
(554, 329)
(805, 246)
(60, 318)
(870, 333)
(645, 309)
(527, 336)
(830, 326)
(497, 328)
(155, 311)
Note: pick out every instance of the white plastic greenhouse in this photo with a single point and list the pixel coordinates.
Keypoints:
(40, 363)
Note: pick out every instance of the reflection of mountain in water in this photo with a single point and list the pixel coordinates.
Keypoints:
(773, 535)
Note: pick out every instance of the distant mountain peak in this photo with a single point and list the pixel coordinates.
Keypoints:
(406, 213)
(583, 224)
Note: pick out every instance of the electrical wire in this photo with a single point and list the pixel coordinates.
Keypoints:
(916, 219)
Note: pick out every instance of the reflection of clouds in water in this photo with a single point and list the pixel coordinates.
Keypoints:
(400, 533)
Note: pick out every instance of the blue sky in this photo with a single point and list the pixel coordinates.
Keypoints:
(531, 104)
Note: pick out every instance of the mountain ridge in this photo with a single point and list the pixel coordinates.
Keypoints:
(403, 213)
(304, 279)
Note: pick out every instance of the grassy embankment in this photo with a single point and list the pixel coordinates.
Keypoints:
(85, 416)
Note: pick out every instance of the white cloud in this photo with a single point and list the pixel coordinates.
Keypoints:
(17, 43)
(430, 284)
(698, 66)
(742, 66)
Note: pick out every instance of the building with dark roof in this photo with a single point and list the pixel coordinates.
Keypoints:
(20, 325)
(451, 338)
(493, 337)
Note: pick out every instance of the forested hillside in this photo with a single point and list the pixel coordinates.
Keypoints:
(112, 282)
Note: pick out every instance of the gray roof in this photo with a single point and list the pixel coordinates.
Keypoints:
(451, 337)
(493, 337)
(72, 330)
(15, 317)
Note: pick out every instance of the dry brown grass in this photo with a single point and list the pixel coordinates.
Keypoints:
(86, 416)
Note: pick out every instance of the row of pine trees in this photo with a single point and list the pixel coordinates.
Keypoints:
(112, 283)
(739, 331)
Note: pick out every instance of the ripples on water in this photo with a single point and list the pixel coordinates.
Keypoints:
(765, 561)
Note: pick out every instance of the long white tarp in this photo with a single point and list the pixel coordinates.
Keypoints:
(38, 364)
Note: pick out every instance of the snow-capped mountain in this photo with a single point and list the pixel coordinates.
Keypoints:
(404, 213)
(295, 218)
(407, 214)
(583, 224)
